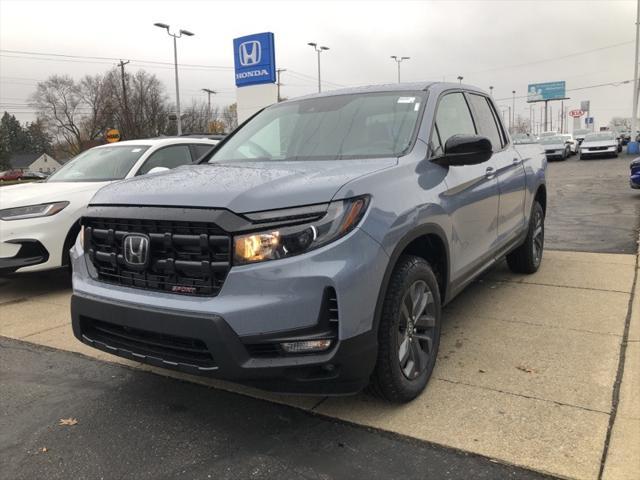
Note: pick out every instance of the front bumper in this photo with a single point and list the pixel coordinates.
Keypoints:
(257, 303)
(635, 181)
(595, 153)
(207, 345)
(33, 244)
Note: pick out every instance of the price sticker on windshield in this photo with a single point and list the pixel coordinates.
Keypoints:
(406, 99)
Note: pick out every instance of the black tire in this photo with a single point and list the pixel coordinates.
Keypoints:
(528, 256)
(395, 378)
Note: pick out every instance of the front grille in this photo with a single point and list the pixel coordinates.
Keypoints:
(169, 349)
(190, 258)
(598, 149)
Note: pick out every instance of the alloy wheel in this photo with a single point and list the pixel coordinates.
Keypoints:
(416, 330)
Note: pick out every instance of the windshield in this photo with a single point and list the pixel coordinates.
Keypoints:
(596, 137)
(550, 140)
(100, 164)
(328, 128)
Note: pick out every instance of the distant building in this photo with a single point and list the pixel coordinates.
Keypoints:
(34, 162)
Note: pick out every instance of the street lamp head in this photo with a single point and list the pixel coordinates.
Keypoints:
(324, 48)
(405, 58)
(187, 33)
(161, 25)
(312, 44)
(460, 77)
(394, 57)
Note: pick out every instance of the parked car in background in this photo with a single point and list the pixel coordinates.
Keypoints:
(548, 134)
(599, 144)
(10, 175)
(39, 220)
(569, 140)
(34, 175)
(555, 147)
(579, 134)
(635, 173)
(312, 250)
(523, 138)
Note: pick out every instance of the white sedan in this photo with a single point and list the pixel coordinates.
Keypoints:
(39, 221)
(601, 143)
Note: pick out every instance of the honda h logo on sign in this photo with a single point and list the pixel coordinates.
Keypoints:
(250, 53)
(136, 250)
(254, 59)
(576, 113)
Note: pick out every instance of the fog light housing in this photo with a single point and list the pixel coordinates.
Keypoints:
(306, 346)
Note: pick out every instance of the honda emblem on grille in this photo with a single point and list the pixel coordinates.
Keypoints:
(136, 250)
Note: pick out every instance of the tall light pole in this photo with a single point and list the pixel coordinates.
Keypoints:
(278, 82)
(318, 49)
(209, 92)
(636, 85)
(175, 63)
(513, 109)
(399, 60)
(491, 90)
(460, 78)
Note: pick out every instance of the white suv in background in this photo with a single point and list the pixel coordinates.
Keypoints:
(39, 221)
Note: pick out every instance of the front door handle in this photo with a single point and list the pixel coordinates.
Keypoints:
(490, 172)
(516, 161)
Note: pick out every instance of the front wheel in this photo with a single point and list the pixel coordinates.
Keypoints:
(528, 256)
(409, 331)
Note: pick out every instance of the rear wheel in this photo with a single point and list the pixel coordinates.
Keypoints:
(528, 256)
(409, 331)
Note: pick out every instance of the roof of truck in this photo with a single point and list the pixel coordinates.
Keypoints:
(389, 87)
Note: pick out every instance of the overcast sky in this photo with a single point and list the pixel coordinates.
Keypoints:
(507, 44)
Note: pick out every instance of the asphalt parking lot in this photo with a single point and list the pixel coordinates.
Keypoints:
(536, 375)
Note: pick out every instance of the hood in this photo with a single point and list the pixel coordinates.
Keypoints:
(34, 193)
(599, 143)
(242, 187)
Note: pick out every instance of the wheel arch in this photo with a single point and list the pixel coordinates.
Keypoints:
(429, 242)
(68, 242)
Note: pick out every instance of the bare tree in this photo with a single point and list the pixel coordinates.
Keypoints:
(521, 125)
(197, 118)
(230, 116)
(76, 113)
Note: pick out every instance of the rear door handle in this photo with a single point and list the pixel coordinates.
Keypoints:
(490, 172)
(516, 161)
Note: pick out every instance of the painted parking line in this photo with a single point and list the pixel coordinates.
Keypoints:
(525, 372)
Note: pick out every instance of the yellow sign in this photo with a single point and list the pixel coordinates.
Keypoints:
(113, 135)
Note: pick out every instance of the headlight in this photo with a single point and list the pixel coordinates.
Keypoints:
(342, 216)
(32, 211)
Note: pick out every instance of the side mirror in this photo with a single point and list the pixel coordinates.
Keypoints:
(466, 150)
(157, 170)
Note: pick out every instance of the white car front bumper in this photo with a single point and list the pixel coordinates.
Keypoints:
(34, 244)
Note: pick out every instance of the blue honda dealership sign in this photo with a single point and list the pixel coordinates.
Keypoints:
(255, 59)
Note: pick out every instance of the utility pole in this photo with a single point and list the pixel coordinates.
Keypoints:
(633, 145)
(279, 83)
(124, 96)
(491, 91)
(209, 92)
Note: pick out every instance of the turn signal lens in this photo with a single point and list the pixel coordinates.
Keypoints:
(306, 346)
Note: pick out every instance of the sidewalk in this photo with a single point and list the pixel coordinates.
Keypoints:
(526, 372)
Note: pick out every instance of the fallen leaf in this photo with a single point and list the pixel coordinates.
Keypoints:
(526, 369)
(68, 422)
(44, 449)
(481, 371)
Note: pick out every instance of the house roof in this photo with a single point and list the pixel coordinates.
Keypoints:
(23, 160)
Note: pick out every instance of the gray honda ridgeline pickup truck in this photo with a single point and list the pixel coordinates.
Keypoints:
(313, 249)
